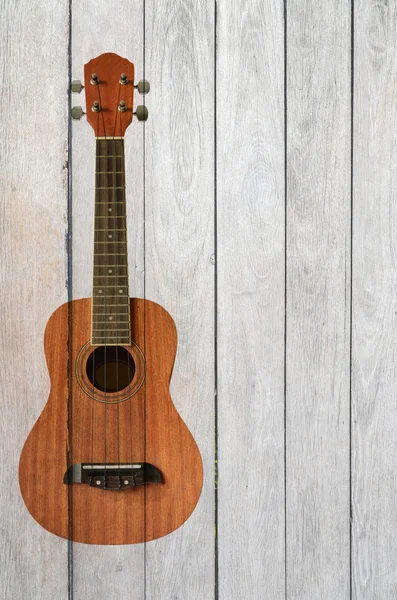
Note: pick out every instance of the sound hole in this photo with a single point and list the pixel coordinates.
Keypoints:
(110, 368)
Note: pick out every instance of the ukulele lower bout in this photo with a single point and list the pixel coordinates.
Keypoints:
(141, 450)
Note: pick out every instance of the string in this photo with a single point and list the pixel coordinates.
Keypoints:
(105, 288)
(96, 208)
(111, 239)
(114, 178)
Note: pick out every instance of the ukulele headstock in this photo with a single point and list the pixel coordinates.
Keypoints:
(109, 93)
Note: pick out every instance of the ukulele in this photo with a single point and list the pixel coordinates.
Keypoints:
(109, 460)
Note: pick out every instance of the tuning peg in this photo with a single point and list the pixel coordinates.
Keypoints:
(77, 112)
(76, 86)
(141, 113)
(143, 87)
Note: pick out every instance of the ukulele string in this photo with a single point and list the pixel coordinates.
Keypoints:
(128, 305)
(115, 196)
(105, 287)
(96, 210)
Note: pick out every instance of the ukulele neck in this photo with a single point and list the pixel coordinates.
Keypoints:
(110, 296)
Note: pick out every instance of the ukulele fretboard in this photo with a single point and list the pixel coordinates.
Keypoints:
(110, 295)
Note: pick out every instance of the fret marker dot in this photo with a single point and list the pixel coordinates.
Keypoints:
(109, 209)
(110, 271)
(110, 318)
(99, 291)
(120, 291)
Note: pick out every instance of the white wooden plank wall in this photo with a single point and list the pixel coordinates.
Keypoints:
(250, 240)
(318, 299)
(246, 253)
(33, 203)
(374, 364)
(179, 267)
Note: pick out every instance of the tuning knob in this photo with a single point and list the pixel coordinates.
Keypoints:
(77, 112)
(76, 86)
(141, 113)
(143, 87)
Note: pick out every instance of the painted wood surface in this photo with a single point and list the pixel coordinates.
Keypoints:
(229, 308)
(179, 269)
(318, 300)
(34, 170)
(374, 349)
(250, 315)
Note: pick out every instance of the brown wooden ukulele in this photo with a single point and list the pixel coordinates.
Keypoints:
(110, 460)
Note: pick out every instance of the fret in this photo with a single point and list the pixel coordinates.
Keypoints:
(110, 179)
(114, 322)
(118, 211)
(109, 265)
(108, 341)
(109, 156)
(111, 315)
(109, 163)
(125, 305)
(110, 194)
(105, 337)
(102, 299)
(112, 285)
(105, 329)
(104, 263)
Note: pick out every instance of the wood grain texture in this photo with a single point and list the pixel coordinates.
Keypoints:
(100, 572)
(251, 216)
(374, 349)
(179, 271)
(318, 299)
(33, 200)
(143, 427)
(179, 229)
(108, 92)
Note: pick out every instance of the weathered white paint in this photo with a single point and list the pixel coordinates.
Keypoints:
(179, 264)
(374, 364)
(177, 270)
(318, 299)
(251, 216)
(33, 201)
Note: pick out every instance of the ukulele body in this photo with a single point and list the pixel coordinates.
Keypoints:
(82, 425)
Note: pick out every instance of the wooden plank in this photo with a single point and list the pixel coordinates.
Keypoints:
(374, 310)
(251, 219)
(318, 299)
(34, 170)
(179, 268)
(118, 571)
